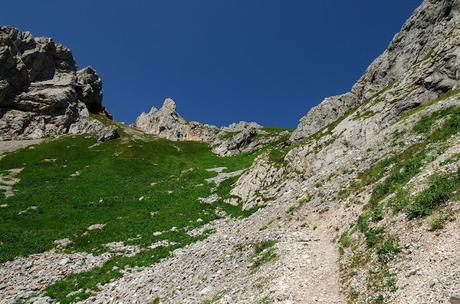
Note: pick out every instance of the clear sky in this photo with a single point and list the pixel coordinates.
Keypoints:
(221, 60)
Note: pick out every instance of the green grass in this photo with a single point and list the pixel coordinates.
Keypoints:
(228, 135)
(399, 201)
(134, 187)
(399, 169)
(441, 97)
(264, 252)
(390, 177)
(345, 240)
(439, 220)
(106, 191)
(364, 115)
(276, 130)
(388, 249)
(440, 191)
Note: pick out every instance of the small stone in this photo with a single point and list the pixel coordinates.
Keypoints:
(96, 227)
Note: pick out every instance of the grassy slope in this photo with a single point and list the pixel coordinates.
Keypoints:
(113, 177)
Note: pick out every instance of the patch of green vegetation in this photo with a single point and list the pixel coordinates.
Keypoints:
(134, 187)
(345, 240)
(227, 135)
(379, 282)
(359, 258)
(276, 155)
(265, 300)
(264, 252)
(404, 168)
(388, 249)
(276, 130)
(374, 173)
(439, 220)
(155, 301)
(364, 115)
(441, 97)
(399, 201)
(352, 297)
(440, 191)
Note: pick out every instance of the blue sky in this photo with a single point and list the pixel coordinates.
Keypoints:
(221, 60)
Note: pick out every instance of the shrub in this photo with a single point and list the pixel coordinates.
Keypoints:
(400, 200)
(440, 219)
(388, 249)
(264, 252)
(345, 240)
(439, 192)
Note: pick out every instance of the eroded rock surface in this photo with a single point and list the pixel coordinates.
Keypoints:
(41, 94)
(236, 138)
(425, 53)
(167, 123)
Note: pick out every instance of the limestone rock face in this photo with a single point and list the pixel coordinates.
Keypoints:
(425, 52)
(242, 125)
(323, 114)
(39, 92)
(226, 141)
(167, 123)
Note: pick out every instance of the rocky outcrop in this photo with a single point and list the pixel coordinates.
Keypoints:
(167, 123)
(236, 138)
(430, 32)
(323, 114)
(41, 94)
(89, 88)
(241, 126)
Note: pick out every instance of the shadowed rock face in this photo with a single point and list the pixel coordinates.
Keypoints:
(431, 27)
(41, 93)
(90, 89)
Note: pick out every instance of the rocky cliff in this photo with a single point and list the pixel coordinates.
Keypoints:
(41, 92)
(424, 53)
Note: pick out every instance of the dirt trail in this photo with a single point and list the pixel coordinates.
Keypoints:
(312, 261)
